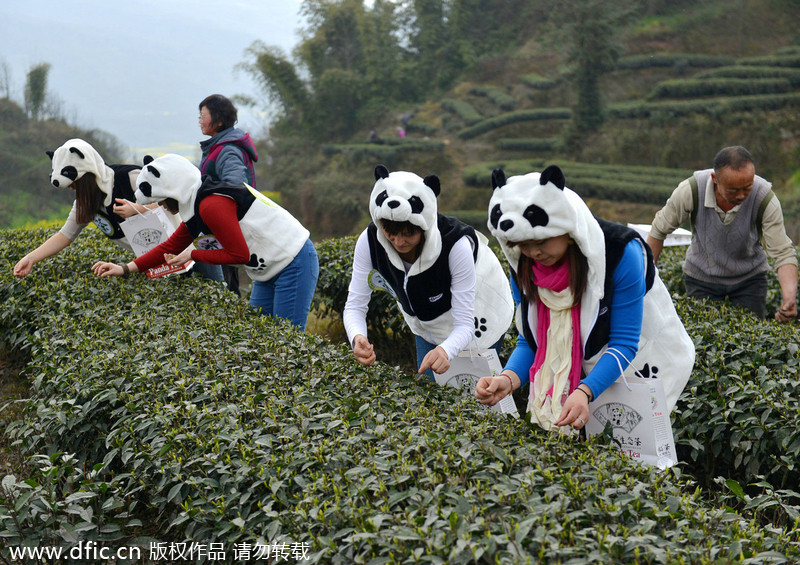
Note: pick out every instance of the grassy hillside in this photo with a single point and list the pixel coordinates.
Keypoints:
(25, 191)
(674, 98)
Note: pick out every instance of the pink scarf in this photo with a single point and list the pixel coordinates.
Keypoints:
(556, 278)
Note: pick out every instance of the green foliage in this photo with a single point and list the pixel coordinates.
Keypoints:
(385, 152)
(739, 415)
(678, 61)
(594, 44)
(694, 88)
(464, 110)
(26, 194)
(547, 144)
(538, 82)
(609, 182)
(223, 426)
(497, 95)
(716, 107)
(36, 89)
(516, 117)
(788, 60)
(752, 72)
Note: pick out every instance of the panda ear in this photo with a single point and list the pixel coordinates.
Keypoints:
(381, 172)
(77, 152)
(498, 178)
(432, 182)
(553, 174)
(147, 160)
(49, 154)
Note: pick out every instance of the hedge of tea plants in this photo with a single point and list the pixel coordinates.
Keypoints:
(515, 117)
(464, 110)
(610, 182)
(167, 410)
(698, 88)
(497, 95)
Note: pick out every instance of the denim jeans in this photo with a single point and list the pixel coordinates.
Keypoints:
(424, 347)
(289, 293)
(208, 271)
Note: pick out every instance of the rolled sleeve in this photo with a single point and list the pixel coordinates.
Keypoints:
(677, 209)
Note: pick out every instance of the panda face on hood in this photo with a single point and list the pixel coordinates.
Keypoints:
(169, 176)
(539, 206)
(74, 159)
(402, 196)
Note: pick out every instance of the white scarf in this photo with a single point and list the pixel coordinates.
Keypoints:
(544, 409)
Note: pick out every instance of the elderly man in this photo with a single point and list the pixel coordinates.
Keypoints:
(731, 210)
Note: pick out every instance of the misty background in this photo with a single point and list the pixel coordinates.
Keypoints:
(139, 69)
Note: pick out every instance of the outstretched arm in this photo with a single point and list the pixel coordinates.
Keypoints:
(53, 245)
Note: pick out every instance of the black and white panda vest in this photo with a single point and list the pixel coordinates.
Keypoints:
(106, 220)
(616, 237)
(426, 295)
(241, 196)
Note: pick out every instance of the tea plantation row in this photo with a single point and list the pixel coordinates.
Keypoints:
(166, 410)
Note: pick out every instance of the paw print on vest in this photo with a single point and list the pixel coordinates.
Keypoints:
(480, 326)
(649, 372)
(256, 263)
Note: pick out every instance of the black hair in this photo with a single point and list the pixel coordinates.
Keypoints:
(222, 110)
(406, 228)
(734, 157)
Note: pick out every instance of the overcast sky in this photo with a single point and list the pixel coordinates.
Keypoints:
(138, 69)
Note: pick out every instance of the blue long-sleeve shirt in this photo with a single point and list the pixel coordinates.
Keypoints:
(626, 324)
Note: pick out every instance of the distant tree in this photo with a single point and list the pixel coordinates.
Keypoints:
(279, 79)
(592, 28)
(430, 42)
(5, 79)
(36, 90)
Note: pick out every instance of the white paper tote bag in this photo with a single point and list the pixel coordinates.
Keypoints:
(146, 230)
(636, 410)
(465, 370)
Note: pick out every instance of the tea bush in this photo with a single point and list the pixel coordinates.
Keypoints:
(530, 144)
(497, 95)
(740, 413)
(610, 182)
(752, 72)
(516, 117)
(185, 416)
(538, 82)
(677, 60)
(464, 110)
(693, 88)
(710, 106)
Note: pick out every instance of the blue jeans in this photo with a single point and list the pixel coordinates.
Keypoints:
(208, 271)
(288, 294)
(425, 347)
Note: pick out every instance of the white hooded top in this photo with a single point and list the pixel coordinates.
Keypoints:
(404, 196)
(273, 236)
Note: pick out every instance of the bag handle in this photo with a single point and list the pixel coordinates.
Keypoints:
(135, 209)
(616, 354)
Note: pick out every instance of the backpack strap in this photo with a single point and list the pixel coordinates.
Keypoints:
(695, 199)
(760, 216)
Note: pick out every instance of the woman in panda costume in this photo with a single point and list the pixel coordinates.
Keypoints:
(101, 192)
(230, 224)
(449, 285)
(591, 304)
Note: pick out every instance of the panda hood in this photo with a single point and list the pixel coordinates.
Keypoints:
(169, 176)
(402, 196)
(540, 206)
(76, 158)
